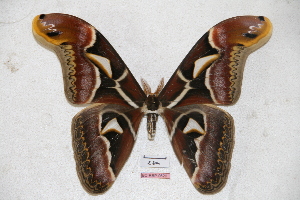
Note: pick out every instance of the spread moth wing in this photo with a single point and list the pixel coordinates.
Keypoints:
(103, 137)
(202, 137)
(212, 71)
(93, 71)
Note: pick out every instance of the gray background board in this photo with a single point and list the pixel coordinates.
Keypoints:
(152, 37)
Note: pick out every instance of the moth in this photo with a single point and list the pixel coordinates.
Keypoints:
(202, 135)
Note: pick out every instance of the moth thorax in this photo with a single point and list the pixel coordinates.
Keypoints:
(152, 102)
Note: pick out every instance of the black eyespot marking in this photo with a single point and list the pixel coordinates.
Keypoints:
(241, 45)
(261, 18)
(64, 43)
(42, 16)
(249, 35)
(54, 33)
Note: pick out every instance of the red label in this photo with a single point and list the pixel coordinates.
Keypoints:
(156, 175)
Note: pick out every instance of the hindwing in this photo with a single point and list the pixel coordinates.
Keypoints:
(202, 137)
(103, 137)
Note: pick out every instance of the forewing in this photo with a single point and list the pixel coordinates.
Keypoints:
(103, 137)
(202, 137)
(93, 71)
(212, 71)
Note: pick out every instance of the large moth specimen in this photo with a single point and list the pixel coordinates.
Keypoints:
(202, 135)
